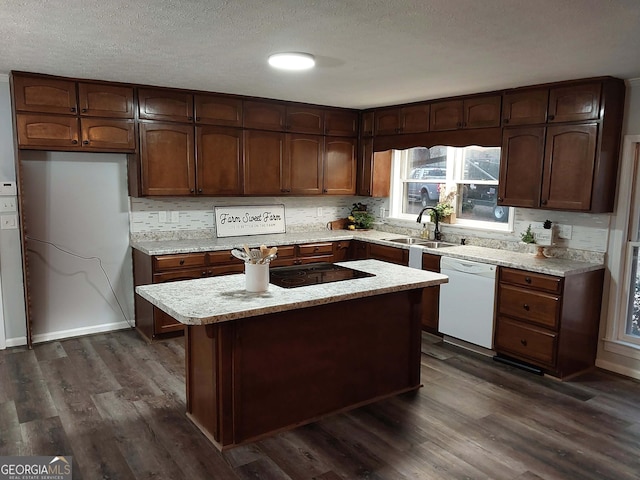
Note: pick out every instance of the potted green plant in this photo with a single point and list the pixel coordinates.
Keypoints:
(360, 219)
(527, 235)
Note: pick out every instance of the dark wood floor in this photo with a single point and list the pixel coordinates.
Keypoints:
(117, 405)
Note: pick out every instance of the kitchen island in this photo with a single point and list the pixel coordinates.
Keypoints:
(258, 363)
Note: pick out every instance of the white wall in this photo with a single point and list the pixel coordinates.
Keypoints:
(10, 248)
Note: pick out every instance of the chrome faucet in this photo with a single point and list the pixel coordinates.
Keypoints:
(436, 216)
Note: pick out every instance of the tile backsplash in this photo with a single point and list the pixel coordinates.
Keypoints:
(152, 219)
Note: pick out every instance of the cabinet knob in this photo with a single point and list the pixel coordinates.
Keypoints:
(73, 109)
(198, 119)
(527, 279)
(189, 118)
(203, 273)
(84, 110)
(85, 142)
(199, 190)
(526, 307)
(500, 199)
(551, 117)
(505, 120)
(324, 190)
(543, 202)
(523, 342)
(182, 262)
(74, 141)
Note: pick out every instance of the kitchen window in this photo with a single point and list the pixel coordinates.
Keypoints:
(466, 176)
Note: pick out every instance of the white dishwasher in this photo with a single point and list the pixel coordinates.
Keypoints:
(466, 302)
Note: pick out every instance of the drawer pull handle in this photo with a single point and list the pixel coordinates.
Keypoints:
(526, 307)
(523, 342)
(527, 279)
(182, 262)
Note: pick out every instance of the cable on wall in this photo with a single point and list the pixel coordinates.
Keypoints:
(68, 252)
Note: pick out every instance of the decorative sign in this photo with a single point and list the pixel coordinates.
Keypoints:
(249, 220)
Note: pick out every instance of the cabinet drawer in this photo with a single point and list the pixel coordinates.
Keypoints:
(168, 262)
(388, 254)
(526, 342)
(286, 252)
(536, 307)
(315, 249)
(222, 257)
(531, 280)
(178, 275)
(237, 267)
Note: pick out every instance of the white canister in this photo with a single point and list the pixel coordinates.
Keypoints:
(257, 277)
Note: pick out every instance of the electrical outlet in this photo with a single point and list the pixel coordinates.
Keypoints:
(382, 212)
(565, 231)
(319, 212)
(162, 217)
(175, 217)
(8, 222)
(7, 204)
(8, 188)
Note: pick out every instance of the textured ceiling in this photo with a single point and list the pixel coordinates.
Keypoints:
(369, 52)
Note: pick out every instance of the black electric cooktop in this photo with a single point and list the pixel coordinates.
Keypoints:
(313, 274)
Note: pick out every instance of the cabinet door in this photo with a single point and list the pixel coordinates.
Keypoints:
(302, 168)
(446, 115)
(431, 295)
(340, 166)
(521, 167)
(100, 100)
(263, 157)
(219, 161)
(414, 119)
(106, 134)
(264, 115)
(341, 123)
(388, 254)
(387, 122)
(569, 161)
(47, 131)
(218, 110)
(44, 95)
(167, 156)
(525, 108)
(482, 112)
(166, 105)
(365, 167)
(305, 120)
(575, 103)
(366, 124)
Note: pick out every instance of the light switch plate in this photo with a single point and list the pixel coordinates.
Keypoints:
(8, 204)
(162, 217)
(565, 231)
(175, 217)
(8, 222)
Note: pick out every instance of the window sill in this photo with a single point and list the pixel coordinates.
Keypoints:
(461, 224)
(620, 347)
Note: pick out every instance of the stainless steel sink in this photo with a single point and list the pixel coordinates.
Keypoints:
(408, 240)
(421, 241)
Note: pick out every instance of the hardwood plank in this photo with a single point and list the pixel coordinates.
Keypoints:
(10, 434)
(50, 351)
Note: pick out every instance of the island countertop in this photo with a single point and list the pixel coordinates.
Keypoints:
(223, 298)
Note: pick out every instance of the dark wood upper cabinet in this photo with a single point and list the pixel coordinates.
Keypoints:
(218, 110)
(167, 157)
(569, 162)
(341, 123)
(340, 166)
(304, 120)
(44, 95)
(521, 166)
(575, 103)
(263, 158)
(264, 115)
(407, 119)
(166, 105)
(219, 160)
(475, 112)
(525, 107)
(367, 121)
(108, 134)
(102, 100)
(302, 169)
(47, 131)
(387, 121)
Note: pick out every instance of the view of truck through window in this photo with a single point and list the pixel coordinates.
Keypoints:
(472, 172)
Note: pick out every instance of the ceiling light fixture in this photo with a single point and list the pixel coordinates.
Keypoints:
(292, 61)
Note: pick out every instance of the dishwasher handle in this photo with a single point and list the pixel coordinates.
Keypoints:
(465, 266)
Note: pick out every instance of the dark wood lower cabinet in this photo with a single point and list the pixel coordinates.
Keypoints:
(251, 377)
(431, 296)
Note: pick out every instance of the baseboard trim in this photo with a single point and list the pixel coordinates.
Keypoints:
(620, 369)
(16, 342)
(74, 332)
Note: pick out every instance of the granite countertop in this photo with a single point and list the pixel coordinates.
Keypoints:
(224, 298)
(526, 261)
